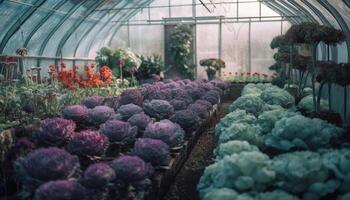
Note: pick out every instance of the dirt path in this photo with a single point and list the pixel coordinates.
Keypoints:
(184, 186)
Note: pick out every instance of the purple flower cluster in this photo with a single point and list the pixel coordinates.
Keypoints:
(55, 131)
(88, 143)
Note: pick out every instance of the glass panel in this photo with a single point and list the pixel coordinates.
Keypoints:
(248, 9)
(324, 11)
(235, 47)
(181, 11)
(207, 45)
(120, 40)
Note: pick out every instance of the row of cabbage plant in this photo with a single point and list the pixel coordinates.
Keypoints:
(266, 151)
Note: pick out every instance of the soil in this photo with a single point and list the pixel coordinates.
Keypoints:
(185, 185)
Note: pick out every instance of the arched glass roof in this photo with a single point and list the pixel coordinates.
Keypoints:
(76, 28)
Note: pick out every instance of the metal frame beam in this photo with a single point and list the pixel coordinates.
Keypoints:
(16, 26)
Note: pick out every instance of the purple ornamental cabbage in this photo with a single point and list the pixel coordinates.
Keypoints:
(187, 99)
(119, 131)
(205, 103)
(131, 96)
(140, 120)
(187, 119)
(186, 81)
(88, 143)
(100, 114)
(77, 113)
(163, 94)
(55, 131)
(178, 104)
(128, 110)
(131, 169)
(112, 102)
(200, 110)
(147, 89)
(153, 151)
(167, 131)
(214, 93)
(46, 164)
(93, 101)
(178, 92)
(217, 89)
(196, 93)
(210, 98)
(206, 86)
(220, 84)
(158, 109)
(61, 190)
(98, 176)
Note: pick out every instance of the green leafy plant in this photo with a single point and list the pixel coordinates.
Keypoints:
(213, 65)
(181, 51)
(149, 66)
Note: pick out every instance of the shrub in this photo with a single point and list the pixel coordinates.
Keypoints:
(77, 113)
(158, 109)
(232, 147)
(88, 143)
(100, 114)
(93, 101)
(128, 110)
(268, 119)
(170, 133)
(133, 96)
(119, 131)
(140, 120)
(153, 151)
(55, 131)
(277, 96)
(250, 103)
(98, 176)
(61, 190)
(187, 119)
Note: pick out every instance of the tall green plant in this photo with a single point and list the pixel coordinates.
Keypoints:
(149, 66)
(181, 51)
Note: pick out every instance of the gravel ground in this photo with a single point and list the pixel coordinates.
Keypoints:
(184, 186)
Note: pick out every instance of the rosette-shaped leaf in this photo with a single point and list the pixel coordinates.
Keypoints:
(170, 133)
(187, 99)
(158, 109)
(196, 93)
(140, 120)
(147, 89)
(131, 169)
(98, 176)
(242, 172)
(178, 92)
(213, 99)
(162, 94)
(153, 151)
(307, 104)
(100, 114)
(93, 101)
(251, 89)
(88, 143)
(46, 164)
(277, 96)
(299, 132)
(61, 190)
(77, 113)
(128, 110)
(55, 131)
(133, 96)
(235, 146)
(206, 86)
(237, 116)
(200, 110)
(268, 119)
(112, 102)
(218, 90)
(205, 103)
(187, 119)
(178, 104)
(119, 131)
(250, 103)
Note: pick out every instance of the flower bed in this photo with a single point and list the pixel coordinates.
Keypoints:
(266, 150)
(104, 130)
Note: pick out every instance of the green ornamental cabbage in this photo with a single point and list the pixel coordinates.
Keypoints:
(232, 147)
(268, 119)
(277, 96)
(251, 103)
(307, 104)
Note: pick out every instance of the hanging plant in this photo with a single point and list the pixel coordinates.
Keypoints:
(22, 51)
(181, 51)
(213, 65)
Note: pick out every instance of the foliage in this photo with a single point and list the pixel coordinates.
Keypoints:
(55, 131)
(92, 101)
(152, 151)
(119, 131)
(180, 49)
(77, 113)
(61, 190)
(213, 65)
(233, 147)
(178, 104)
(278, 41)
(152, 65)
(200, 110)
(187, 119)
(140, 120)
(158, 109)
(299, 132)
(128, 110)
(277, 96)
(131, 96)
(100, 114)
(98, 176)
(250, 103)
(307, 104)
(88, 143)
(56, 163)
(170, 133)
(267, 119)
(213, 99)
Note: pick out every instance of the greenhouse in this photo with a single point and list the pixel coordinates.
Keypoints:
(175, 100)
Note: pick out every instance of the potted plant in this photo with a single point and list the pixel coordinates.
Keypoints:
(213, 65)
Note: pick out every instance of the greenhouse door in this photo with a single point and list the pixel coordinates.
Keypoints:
(171, 70)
